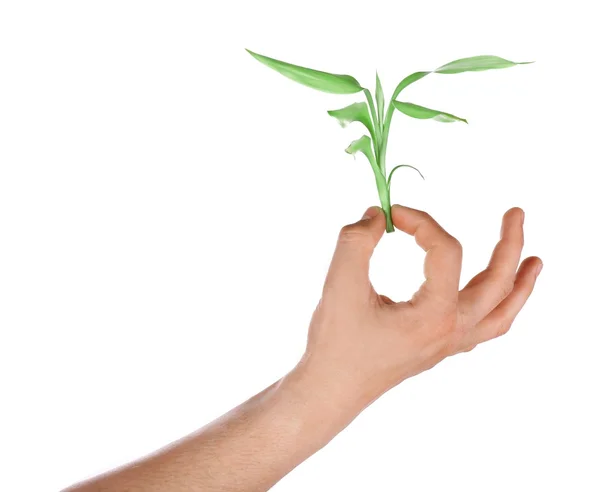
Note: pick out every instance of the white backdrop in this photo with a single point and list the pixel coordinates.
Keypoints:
(169, 206)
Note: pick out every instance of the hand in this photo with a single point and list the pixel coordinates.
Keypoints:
(362, 344)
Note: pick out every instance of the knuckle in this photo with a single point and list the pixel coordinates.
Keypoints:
(426, 216)
(350, 233)
(454, 244)
(504, 282)
(503, 328)
(505, 285)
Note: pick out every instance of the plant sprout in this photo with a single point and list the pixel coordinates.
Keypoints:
(373, 115)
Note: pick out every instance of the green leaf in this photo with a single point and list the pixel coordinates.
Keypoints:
(355, 112)
(472, 64)
(389, 180)
(379, 98)
(406, 81)
(477, 64)
(423, 113)
(363, 144)
(322, 81)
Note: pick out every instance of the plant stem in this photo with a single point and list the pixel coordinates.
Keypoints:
(382, 187)
(389, 225)
(384, 198)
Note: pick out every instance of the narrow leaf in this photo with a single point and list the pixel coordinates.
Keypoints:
(389, 181)
(406, 81)
(472, 64)
(323, 81)
(363, 144)
(355, 112)
(423, 113)
(477, 64)
(379, 97)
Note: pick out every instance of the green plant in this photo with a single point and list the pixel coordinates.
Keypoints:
(372, 115)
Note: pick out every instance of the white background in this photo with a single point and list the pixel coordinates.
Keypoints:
(169, 206)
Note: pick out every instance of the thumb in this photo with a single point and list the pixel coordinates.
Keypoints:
(355, 246)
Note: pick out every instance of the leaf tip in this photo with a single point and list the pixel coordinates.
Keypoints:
(334, 114)
(253, 54)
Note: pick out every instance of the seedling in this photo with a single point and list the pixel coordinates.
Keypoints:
(372, 115)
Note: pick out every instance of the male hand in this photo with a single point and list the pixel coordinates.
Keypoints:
(361, 343)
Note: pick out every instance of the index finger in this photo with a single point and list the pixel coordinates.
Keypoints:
(443, 257)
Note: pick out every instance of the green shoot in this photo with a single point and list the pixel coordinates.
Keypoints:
(373, 115)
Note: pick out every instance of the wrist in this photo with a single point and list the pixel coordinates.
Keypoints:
(329, 400)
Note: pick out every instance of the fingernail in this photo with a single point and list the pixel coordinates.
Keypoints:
(522, 217)
(370, 213)
(539, 269)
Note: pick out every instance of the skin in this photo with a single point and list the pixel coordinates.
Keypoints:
(360, 345)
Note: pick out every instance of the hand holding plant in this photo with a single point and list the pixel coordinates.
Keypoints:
(361, 343)
(373, 115)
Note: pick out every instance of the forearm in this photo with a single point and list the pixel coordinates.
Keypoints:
(248, 449)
